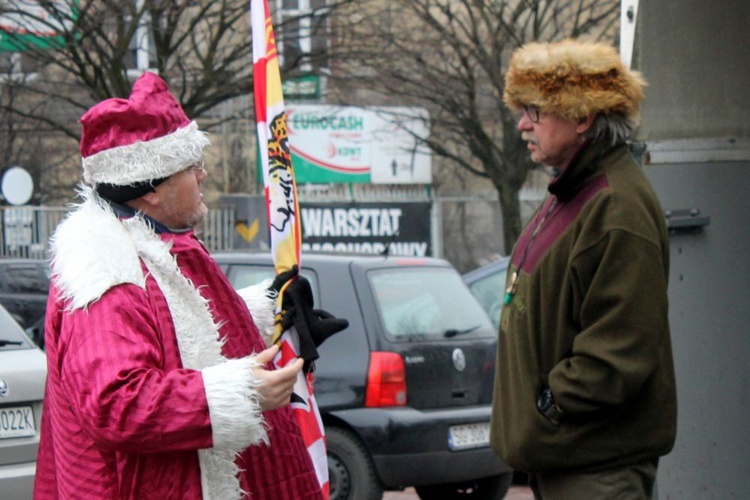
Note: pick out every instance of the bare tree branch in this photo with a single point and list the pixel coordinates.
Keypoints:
(450, 56)
(203, 48)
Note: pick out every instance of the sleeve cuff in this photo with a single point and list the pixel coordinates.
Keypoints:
(261, 308)
(233, 404)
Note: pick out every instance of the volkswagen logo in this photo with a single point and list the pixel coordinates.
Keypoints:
(3, 388)
(459, 360)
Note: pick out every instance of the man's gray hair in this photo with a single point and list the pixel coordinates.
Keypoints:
(613, 127)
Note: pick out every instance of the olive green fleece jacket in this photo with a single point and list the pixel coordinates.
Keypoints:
(588, 320)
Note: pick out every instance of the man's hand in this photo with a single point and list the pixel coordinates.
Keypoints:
(275, 386)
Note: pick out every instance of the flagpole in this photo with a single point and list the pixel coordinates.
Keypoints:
(282, 208)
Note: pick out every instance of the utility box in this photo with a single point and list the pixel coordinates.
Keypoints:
(695, 137)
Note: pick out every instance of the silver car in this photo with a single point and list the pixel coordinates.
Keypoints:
(23, 371)
(487, 283)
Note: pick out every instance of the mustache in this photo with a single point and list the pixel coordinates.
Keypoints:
(529, 138)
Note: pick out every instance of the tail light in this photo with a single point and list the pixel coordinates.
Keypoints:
(386, 380)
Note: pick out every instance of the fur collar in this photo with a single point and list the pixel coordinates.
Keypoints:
(92, 252)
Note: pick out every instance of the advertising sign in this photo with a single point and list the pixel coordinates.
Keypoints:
(332, 144)
(25, 23)
(404, 228)
(302, 87)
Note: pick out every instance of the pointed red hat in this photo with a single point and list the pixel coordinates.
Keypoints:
(145, 137)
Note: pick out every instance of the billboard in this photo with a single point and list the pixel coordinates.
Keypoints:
(351, 227)
(347, 144)
(26, 23)
(356, 227)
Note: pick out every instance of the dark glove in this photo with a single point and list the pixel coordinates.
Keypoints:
(325, 324)
(273, 291)
(313, 326)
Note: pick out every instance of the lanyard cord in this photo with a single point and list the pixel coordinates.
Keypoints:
(510, 292)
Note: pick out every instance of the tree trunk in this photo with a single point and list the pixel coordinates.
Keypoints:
(511, 210)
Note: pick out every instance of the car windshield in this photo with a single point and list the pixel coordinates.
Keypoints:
(244, 275)
(11, 335)
(427, 304)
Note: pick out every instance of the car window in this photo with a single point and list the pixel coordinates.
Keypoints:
(422, 304)
(489, 292)
(12, 337)
(24, 278)
(244, 275)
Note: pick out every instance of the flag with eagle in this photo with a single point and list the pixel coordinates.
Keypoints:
(283, 218)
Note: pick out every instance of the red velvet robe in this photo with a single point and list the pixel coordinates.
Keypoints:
(124, 419)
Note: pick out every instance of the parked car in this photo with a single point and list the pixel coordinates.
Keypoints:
(23, 370)
(405, 391)
(487, 283)
(24, 286)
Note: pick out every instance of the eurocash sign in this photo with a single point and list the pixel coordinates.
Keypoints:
(338, 144)
(25, 24)
(367, 228)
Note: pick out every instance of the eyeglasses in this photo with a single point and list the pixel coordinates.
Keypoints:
(532, 112)
(197, 168)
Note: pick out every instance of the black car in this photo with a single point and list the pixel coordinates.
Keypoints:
(24, 287)
(405, 391)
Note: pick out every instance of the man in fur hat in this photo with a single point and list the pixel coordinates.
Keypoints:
(584, 390)
(159, 382)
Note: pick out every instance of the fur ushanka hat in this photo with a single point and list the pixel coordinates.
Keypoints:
(573, 79)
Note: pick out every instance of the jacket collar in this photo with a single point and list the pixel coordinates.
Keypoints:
(125, 212)
(587, 163)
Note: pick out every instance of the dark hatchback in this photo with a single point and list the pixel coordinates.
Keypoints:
(405, 391)
(24, 286)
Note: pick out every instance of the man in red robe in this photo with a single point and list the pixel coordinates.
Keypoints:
(159, 383)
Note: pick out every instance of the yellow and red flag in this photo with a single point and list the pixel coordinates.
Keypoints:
(282, 208)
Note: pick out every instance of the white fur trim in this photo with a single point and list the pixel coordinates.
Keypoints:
(92, 252)
(146, 160)
(197, 333)
(261, 308)
(233, 401)
(200, 347)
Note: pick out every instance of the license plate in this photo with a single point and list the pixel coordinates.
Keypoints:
(17, 421)
(462, 437)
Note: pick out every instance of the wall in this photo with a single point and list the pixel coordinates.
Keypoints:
(695, 56)
(696, 130)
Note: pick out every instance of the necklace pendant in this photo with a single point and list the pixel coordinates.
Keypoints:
(511, 290)
(508, 298)
(513, 279)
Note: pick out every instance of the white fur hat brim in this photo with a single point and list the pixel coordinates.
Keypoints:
(146, 160)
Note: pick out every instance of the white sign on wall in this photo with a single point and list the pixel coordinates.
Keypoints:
(362, 145)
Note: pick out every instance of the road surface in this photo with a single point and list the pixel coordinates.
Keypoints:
(515, 493)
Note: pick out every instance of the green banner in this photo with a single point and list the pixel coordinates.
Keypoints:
(13, 42)
(307, 172)
(28, 25)
(301, 87)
